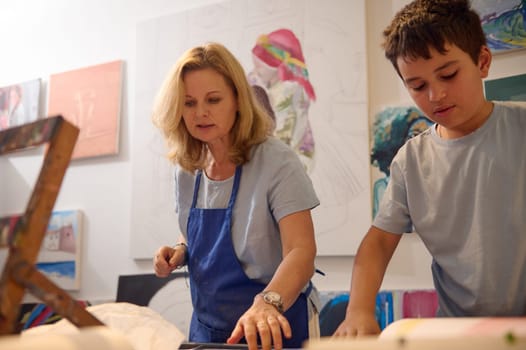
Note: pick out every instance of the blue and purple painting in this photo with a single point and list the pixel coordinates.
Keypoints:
(391, 128)
(503, 22)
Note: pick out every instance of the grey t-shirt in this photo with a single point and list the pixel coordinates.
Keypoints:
(273, 185)
(466, 199)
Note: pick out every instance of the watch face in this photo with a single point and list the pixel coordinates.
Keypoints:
(272, 297)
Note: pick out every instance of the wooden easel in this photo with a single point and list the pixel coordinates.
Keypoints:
(23, 234)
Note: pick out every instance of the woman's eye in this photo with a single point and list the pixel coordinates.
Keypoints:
(189, 103)
(214, 100)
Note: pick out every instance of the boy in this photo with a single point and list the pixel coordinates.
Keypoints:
(461, 185)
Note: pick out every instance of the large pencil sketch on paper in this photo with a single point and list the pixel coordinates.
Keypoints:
(332, 39)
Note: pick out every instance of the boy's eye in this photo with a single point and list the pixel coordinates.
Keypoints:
(418, 87)
(449, 76)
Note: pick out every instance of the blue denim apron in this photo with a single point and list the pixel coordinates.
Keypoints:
(221, 291)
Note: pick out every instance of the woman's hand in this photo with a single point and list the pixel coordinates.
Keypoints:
(168, 259)
(264, 320)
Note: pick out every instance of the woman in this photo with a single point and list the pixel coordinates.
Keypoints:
(243, 200)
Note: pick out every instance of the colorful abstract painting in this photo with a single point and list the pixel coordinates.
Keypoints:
(90, 98)
(391, 128)
(19, 103)
(280, 70)
(503, 22)
(419, 303)
(384, 308)
(59, 257)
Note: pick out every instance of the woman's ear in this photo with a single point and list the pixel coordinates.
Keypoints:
(484, 61)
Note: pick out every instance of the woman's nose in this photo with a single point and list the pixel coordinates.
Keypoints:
(201, 110)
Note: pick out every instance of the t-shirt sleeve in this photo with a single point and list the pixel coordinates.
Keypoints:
(393, 213)
(291, 189)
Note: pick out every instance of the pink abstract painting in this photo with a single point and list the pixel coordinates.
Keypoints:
(420, 303)
(90, 98)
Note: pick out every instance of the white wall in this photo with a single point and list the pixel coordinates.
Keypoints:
(45, 37)
(52, 36)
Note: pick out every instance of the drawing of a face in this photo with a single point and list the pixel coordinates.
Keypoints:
(267, 74)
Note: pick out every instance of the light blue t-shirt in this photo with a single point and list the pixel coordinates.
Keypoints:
(273, 185)
(466, 199)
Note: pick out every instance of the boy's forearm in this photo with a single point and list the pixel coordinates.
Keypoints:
(364, 286)
(370, 265)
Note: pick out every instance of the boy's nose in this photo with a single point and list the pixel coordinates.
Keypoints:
(437, 92)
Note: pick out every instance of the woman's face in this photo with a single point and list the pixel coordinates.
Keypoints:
(210, 106)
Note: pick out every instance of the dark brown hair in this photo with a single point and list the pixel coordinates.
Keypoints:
(425, 24)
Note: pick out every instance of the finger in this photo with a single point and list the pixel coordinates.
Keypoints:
(251, 335)
(264, 334)
(346, 333)
(275, 330)
(285, 326)
(161, 268)
(173, 260)
(236, 335)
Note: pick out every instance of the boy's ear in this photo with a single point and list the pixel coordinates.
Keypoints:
(484, 61)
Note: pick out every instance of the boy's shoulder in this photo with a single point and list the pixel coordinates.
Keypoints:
(510, 107)
(418, 140)
(511, 113)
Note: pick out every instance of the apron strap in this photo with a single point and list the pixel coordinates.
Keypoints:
(233, 195)
(196, 187)
(235, 187)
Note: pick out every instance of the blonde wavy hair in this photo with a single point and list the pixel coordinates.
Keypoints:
(251, 127)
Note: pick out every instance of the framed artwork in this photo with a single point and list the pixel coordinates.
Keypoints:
(90, 98)
(59, 257)
(19, 103)
(511, 88)
(391, 128)
(503, 22)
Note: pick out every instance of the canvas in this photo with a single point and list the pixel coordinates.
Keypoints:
(90, 98)
(60, 252)
(327, 126)
(390, 129)
(503, 23)
(19, 103)
(511, 88)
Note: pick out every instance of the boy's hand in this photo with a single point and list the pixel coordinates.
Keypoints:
(360, 324)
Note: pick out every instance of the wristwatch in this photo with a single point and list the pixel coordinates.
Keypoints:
(273, 299)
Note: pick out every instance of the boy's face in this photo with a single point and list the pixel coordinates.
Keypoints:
(448, 88)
